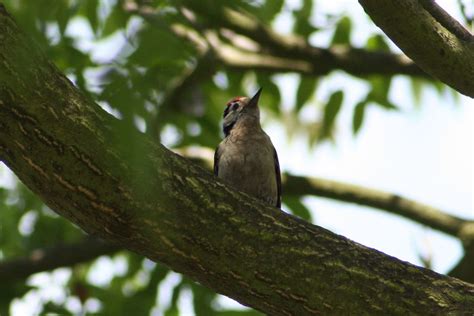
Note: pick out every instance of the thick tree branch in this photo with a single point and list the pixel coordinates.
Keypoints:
(47, 259)
(124, 188)
(66, 255)
(430, 37)
(60, 255)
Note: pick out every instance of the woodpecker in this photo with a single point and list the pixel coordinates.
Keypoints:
(246, 158)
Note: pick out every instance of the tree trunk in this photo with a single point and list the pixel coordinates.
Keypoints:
(117, 184)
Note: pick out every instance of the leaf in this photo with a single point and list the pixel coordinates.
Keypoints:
(377, 43)
(330, 112)
(416, 88)
(202, 299)
(379, 93)
(358, 116)
(270, 9)
(297, 207)
(235, 80)
(90, 11)
(270, 94)
(302, 16)
(342, 34)
(306, 9)
(150, 52)
(63, 15)
(173, 309)
(306, 90)
(116, 20)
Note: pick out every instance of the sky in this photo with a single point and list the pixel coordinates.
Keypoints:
(423, 152)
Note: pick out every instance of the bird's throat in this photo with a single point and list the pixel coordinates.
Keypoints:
(242, 126)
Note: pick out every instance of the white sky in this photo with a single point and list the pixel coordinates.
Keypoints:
(423, 153)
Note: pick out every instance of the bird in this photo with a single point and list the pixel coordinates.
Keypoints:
(246, 158)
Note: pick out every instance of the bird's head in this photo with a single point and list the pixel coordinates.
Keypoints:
(239, 108)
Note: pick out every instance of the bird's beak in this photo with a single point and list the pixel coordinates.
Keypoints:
(254, 101)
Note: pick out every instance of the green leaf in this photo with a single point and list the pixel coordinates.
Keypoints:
(379, 92)
(416, 88)
(306, 90)
(330, 112)
(63, 16)
(9, 292)
(150, 51)
(439, 86)
(202, 298)
(342, 35)
(270, 94)
(116, 20)
(270, 9)
(297, 207)
(377, 42)
(90, 12)
(358, 116)
(173, 309)
(302, 16)
(235, 80)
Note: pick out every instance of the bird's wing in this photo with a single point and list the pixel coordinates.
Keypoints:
(217, 155)
(278, 177)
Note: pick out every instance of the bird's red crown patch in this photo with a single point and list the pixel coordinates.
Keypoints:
(236, 99)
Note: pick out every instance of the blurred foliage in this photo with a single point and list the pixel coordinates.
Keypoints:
(154, 80)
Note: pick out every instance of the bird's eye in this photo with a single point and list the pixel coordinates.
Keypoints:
(234, 106)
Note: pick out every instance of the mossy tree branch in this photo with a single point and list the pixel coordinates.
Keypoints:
(46, 259)
(124, 188)
(429, 36)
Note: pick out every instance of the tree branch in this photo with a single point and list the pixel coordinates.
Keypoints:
(281, 53)
(393, 203)
(355, 61)
(429, 36)
(446, 20)
(66, 255)
(60, 255)
(121, 186)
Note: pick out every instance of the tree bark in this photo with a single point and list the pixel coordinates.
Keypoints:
(62, 255)
(117, 184)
